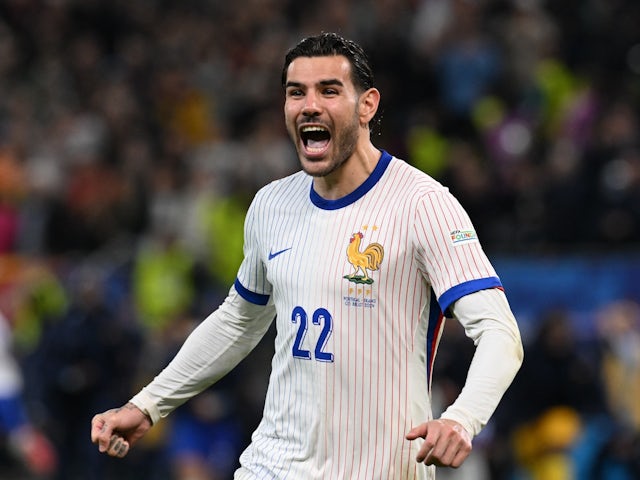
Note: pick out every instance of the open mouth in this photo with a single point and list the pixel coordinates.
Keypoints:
(315, 139)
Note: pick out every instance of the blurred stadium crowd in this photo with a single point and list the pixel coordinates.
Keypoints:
(133, 134)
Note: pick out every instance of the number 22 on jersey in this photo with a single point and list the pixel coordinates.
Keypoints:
(322, 319)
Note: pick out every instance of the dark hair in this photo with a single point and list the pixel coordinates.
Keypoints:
(327, 44)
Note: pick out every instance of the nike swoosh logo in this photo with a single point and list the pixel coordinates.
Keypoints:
(279, 252)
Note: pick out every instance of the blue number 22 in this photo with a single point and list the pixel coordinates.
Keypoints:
(320, 317)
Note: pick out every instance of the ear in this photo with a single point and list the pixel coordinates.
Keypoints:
(368, 106)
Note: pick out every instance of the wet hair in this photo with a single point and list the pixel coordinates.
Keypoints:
(328, 44)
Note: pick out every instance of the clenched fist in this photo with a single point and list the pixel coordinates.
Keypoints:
(116, 431)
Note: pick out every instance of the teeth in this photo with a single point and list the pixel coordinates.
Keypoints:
(313, 129)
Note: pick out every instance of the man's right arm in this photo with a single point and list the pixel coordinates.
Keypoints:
(211, 351)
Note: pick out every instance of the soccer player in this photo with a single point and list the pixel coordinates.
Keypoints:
(360, 258)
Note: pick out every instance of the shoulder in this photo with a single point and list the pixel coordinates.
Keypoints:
(423, 199)
(285, 188)
(413, 181)
(280, 195)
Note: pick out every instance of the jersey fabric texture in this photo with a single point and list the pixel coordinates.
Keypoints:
(359, 286)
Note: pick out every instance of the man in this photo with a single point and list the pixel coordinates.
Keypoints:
(357, 333)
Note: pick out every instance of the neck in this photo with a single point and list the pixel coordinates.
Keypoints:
(350, 175)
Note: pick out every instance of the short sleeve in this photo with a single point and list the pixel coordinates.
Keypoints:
(251, 282)
(449, 249)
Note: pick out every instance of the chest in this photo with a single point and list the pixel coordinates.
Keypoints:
(336, 254)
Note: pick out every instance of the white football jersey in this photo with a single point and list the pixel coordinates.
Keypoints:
(359, 286)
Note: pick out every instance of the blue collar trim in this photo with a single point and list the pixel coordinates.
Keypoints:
(358, 193)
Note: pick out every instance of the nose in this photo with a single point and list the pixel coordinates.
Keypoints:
(311, 107)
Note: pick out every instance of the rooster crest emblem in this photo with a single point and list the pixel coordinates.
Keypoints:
(364, 261)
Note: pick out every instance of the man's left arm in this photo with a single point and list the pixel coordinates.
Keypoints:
(489, 322)
(487, 319)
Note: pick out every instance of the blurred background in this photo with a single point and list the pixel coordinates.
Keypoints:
(133, 135)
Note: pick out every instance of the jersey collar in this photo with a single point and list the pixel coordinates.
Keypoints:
(358, 193)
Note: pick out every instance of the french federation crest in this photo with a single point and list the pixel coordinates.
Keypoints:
(365, 261)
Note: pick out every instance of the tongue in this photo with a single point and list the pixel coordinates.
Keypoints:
(317, 143)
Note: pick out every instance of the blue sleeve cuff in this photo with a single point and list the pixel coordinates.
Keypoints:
(250, 296)
(456, 292)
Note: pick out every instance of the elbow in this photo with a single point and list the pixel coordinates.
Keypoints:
(518, 352)
(511, 342)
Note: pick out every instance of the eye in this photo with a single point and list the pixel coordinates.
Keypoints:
(295, 92)
(330, 91)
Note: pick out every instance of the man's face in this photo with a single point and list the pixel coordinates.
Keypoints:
(321, 112)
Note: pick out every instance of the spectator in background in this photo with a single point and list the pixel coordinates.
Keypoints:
(206, 437)
(82, 359)
(468, 65)
(619, 330)
(19, 436)
(613, 168)
(558, 393)
(610, 449)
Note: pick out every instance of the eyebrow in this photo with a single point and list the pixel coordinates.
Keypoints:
(324, 83)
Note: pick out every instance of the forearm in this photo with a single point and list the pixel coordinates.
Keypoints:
(213, 349)
(488, 320)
